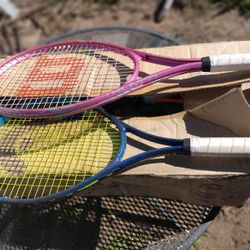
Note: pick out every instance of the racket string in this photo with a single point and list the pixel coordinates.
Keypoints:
(63, 75)
(19, 72)
(33, 75)
(70, 51)
(9, 85)
(44, 169)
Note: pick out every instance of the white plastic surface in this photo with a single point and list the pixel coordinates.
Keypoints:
(231, 62)
(220, 147)
(9, 8)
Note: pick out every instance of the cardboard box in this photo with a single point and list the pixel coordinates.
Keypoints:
(198, 180)
(217, 108)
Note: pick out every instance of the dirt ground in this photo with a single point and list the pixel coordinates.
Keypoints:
(203, 22)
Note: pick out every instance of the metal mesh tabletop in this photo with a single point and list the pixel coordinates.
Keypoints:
(102, 223)
(122, 35)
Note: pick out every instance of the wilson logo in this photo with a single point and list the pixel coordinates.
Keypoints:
(51, 77)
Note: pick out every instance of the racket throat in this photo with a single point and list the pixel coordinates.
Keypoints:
(129, 162)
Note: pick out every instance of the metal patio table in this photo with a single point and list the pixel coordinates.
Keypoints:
(106, 222)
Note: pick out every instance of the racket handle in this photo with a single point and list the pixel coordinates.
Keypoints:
(219, 147)
(231, 62)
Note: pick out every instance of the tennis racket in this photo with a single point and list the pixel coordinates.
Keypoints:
(41, 160)
(70, 77)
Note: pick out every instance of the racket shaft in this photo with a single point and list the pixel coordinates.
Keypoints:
(219, 147)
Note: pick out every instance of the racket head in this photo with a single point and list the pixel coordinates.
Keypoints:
(51, 80)
(44, 160)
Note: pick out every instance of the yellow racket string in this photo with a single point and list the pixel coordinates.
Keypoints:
(40, 157)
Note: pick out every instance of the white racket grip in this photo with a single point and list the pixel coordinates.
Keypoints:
(219, 147)
(231, 62)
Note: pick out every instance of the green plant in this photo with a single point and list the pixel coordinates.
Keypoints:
(128, 240)
(108, 1)
(242, 5)
(195, 246)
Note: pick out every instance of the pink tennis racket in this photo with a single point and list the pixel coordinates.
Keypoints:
(70, 77)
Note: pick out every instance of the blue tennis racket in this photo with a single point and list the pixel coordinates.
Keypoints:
(42, 160)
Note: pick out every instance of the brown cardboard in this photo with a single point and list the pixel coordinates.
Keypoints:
(203, 181)
(230, 110)
(227, 190)
(200, 181)
(198, 97)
